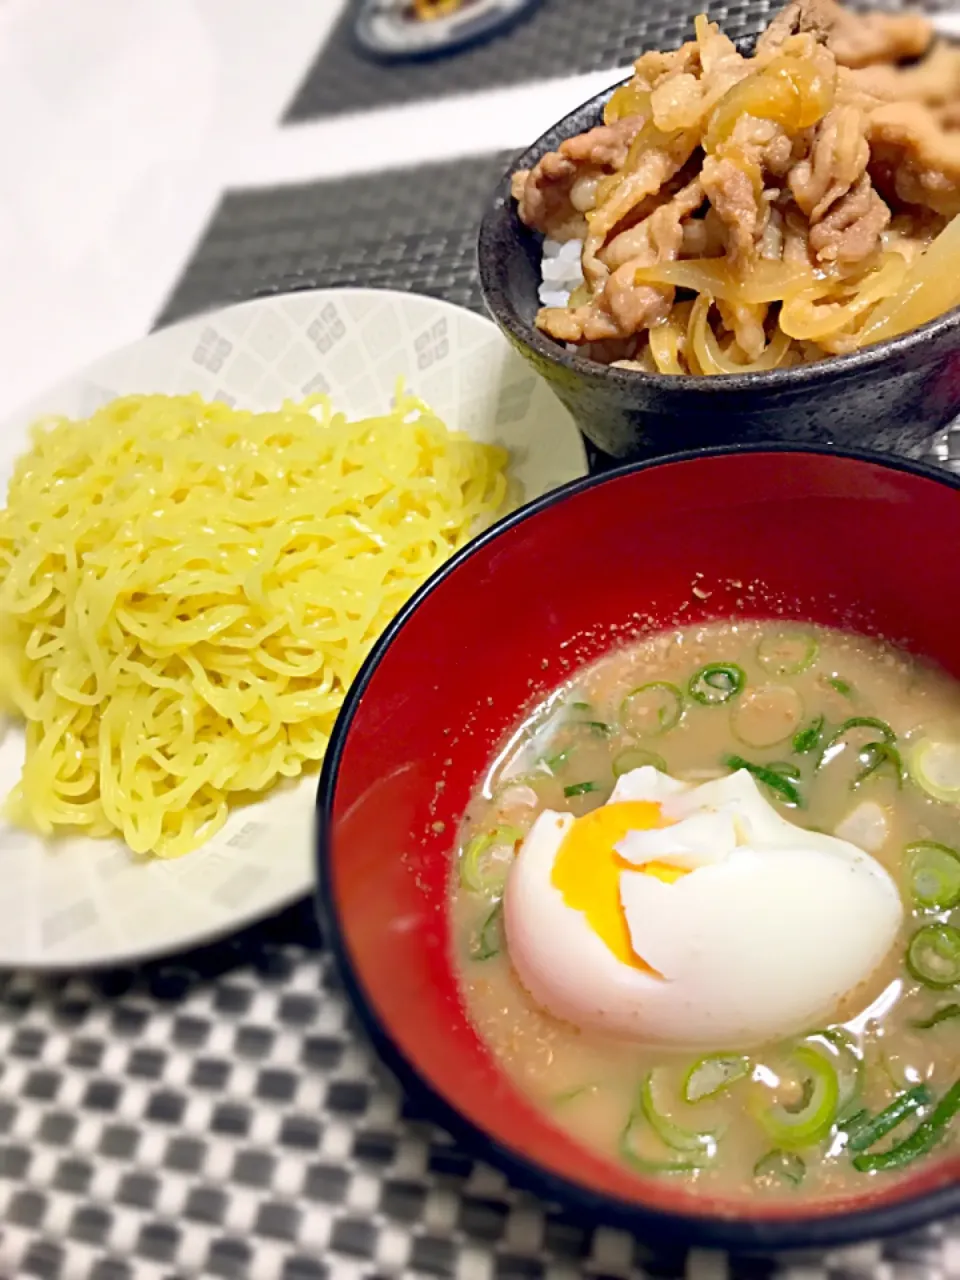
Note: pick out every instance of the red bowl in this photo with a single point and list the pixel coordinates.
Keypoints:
(856, 541)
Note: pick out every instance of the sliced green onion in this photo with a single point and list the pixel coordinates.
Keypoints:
(668, 1131)
(935, 768)
(668, 1161)
(782, 1166)
(875, 756)
(811, 1119)
(568, 1095)
(946, 1014)
(871, 1130)
(556, 763)
(652, 709)
(767, 715)
(934, 875)
(855, 722)
(785, 770)
(581, 789)
(580, 706)
(843, 687)
(808, 739)
(635, 758)
(849, 1064)
(599, 727)
(924, 1138)
(713, 1074)
(850, 1124)
(716, 682)
(781, 786)
(933, 956)
(490, 939)
(893, 1071)
(787, 652)
(486, 878)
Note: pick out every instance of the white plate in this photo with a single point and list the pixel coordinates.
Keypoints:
(91, 902)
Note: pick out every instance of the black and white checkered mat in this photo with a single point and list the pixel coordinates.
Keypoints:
(555, 40)
(217, 1116)
(412, 229)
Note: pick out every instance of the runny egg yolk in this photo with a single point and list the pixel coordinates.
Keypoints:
(587, 870)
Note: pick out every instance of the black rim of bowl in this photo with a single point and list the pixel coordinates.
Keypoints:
(742, 1235)
(497, 299)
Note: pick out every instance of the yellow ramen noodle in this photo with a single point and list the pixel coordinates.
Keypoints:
(186, 591)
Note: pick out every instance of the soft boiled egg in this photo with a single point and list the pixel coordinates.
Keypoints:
(694, 916)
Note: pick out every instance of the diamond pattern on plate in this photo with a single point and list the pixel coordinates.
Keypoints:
(92, 901)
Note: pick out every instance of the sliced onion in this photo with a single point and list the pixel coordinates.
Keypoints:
(664, 340)
(763, 282)
(709, 356)
(930, 287)
(809, 315)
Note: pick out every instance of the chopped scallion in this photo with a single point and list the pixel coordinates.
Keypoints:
(810, 1120)
(581, 789)
(874, 757)
(490, 939)
(665, 1160)
(787, 652)
(716, 683)
(635, 758)
(714, 1074)
(928, 1134)
(934, 875)
(808, 739)
(667, 1130)
(781, 1166)
(557, 762)
(835, 739)
(784, 788)
(935, 768)
(848, 1061)
(947, 1013)
(933, 956)
(652, 709)
(480, 873)
(872, 1129)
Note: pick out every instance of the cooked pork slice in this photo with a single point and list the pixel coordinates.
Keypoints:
(544, 193)
(913, 159)
(851, 230)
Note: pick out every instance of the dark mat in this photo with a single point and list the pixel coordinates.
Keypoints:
(562, 37)
(218, 1114)
(413, 229)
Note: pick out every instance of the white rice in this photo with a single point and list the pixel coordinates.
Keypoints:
(560, 271)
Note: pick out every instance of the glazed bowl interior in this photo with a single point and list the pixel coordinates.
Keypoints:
(849, 541)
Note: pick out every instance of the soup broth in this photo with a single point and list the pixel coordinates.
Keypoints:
(844, 736)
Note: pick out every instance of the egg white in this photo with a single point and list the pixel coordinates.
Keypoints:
(770, 930)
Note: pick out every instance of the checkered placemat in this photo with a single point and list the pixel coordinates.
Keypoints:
(412, 229)
(554, 41)
(217, 1115)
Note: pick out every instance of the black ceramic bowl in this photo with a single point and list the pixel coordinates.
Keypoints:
(892, 396)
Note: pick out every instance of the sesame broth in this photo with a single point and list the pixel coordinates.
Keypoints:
(566, 756)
